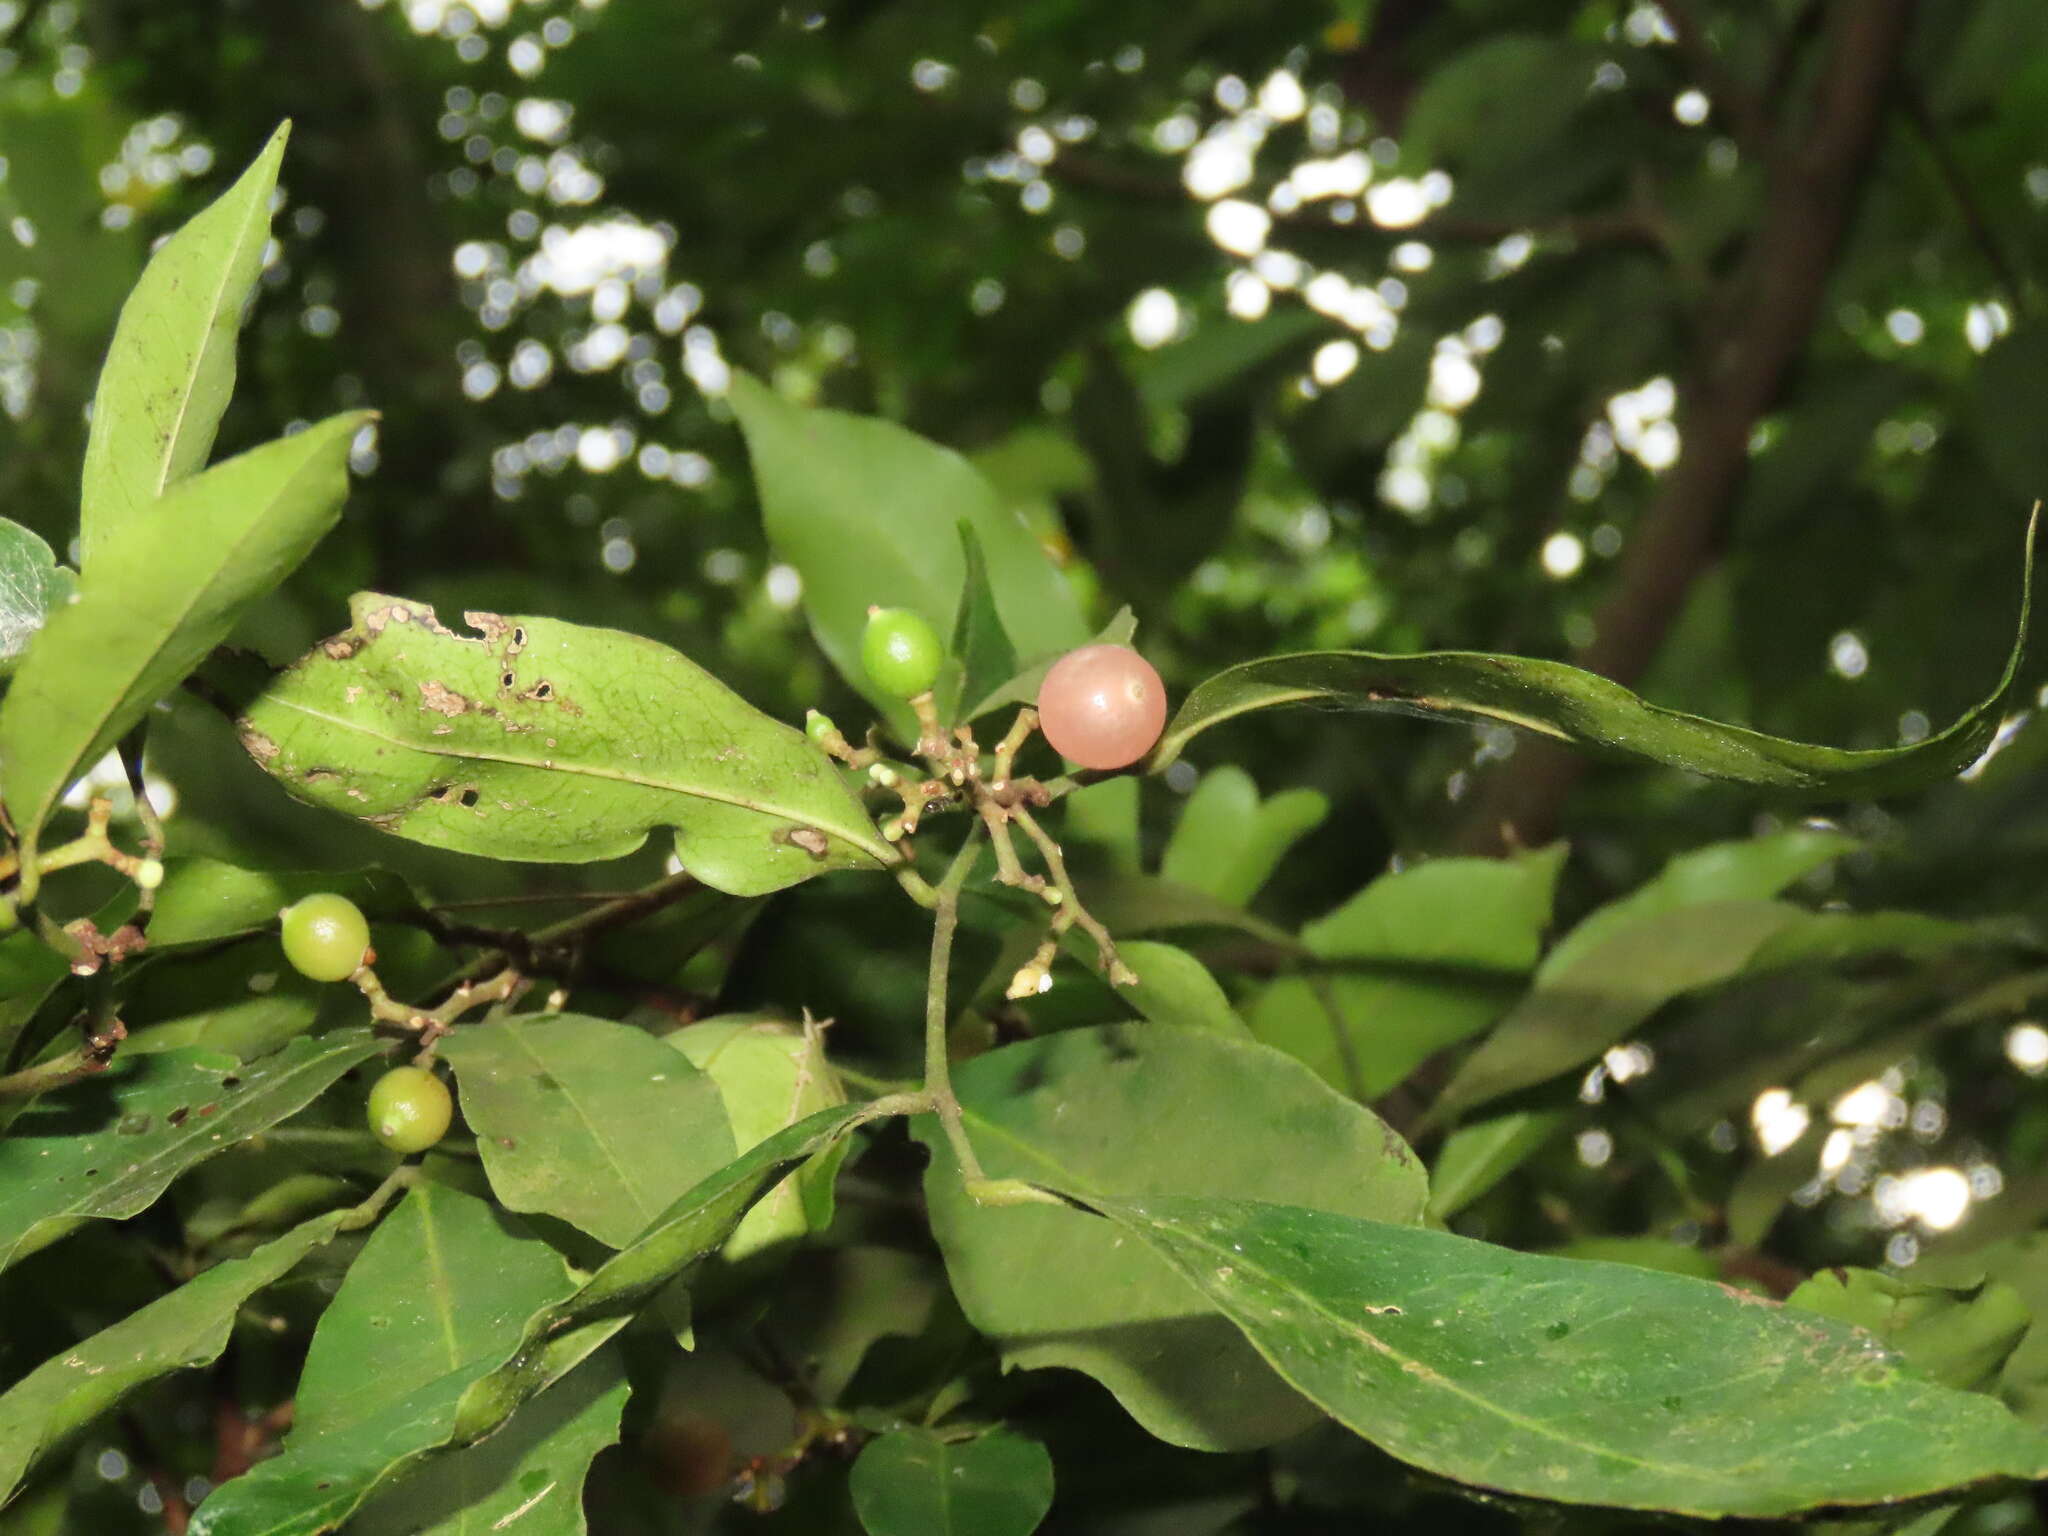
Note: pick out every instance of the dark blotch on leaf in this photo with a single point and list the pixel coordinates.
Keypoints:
(1557, 1330)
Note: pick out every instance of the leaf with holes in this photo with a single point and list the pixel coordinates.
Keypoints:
(537, 739)
(150, 1118)
(184, 1327)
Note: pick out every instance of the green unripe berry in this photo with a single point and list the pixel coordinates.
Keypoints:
(325, 936)
(901, 652)
(818, 726)
(410, 1109)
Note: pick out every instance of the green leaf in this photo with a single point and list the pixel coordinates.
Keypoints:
(867, 512)
(1137, 1109)
(1747, 869)
(918, 1482)
(1475, 1157)
(981, 656)
(1228, 843)
(29, 972)
(771, 1075)
(171, 366)
(1023, 688)
(440, 1295)
(1573, 1015)
(1960, 1337)
(32, 586)
(1576, 1382)
(106, 1147)
(1420, 960)
(157, 600)
(536, 739)
(528, 1477)
(696, 1226)
(597, 1123)
(203, 901)
(444, 1280)
(1173, 987)
(1581, 708)
(185, 1327)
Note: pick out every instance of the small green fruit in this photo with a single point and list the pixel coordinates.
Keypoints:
(325, 936)
(901, 652)
(410, 1109)
(818, 726)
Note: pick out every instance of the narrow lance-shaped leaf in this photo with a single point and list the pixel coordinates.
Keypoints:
(171, 366)
(1579, 1382)
(158, 599)
(151, 1118)
(1586, 710)
(185, 1327)
(537, 739)
(32, 586)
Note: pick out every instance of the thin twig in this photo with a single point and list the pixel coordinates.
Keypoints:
(938, 1075)
(1120, 975)
(89, 1058)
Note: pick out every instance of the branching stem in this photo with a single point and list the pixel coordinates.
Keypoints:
(938, 1075)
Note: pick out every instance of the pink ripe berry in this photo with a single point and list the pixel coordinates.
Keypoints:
(1102, 706)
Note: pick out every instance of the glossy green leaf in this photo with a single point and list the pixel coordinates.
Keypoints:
(597, 1123)
(1228, 842)
(1173, 987)
(444, 1280)
(184, 1327)
(1137, 1109)
(440, 1294)
(105, 1148)
(696, 1226)
(1417, 961)
(202, 901)
(1577, 1382)
(158, 599)
(536, 739)
(867, 513)
(1593, 712)
(981, 657)
(32, 586)
(527, 1478)
(1959, 1336)
(171, 367)
(920, 1482)
(770, 1075)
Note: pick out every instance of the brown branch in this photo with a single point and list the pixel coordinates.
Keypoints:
(1764, 315)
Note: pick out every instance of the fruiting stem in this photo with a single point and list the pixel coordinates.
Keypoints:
(938, 1075)
(92, 846)
(1007, 749)
(92, 1055)
(1120, 975)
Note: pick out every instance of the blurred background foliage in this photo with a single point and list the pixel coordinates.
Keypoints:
(1701, 342)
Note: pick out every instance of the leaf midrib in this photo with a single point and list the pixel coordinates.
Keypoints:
(880, 852)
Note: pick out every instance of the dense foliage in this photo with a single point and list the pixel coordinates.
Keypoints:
(663, 868)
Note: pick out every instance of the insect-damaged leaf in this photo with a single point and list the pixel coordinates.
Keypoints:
(538, 739)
